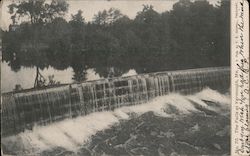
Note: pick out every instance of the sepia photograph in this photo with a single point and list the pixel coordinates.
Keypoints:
(115, 77)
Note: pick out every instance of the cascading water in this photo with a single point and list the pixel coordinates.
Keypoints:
(22, 110)
(160, 123)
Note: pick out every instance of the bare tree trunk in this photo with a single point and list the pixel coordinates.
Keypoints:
(37, 76)
(39, 80)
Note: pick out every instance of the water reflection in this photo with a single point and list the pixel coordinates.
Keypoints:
(80, 73)
(24, 77)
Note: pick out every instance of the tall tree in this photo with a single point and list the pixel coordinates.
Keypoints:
(192, 29)
(106, 17)
(221, 55)
(77, 24)
(37, 13)
(60, 44)
(78, 46)
(193, 33)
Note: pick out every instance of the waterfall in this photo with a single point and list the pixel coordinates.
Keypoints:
(22, 110)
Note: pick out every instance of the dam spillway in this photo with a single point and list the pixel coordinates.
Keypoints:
(22, 110)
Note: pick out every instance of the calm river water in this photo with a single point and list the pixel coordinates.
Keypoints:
(26, 76)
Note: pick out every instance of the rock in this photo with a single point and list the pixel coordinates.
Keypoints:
(174, 154)
(225, 131)
(160, 152)
(217, 146)
(84, 151)
(195, 128)
(170, 134)
(140, 151)
(153, 133)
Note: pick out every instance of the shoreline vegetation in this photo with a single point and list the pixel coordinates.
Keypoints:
(191, 35)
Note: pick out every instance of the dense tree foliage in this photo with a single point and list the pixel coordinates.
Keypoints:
(32, 46)
(192, 34)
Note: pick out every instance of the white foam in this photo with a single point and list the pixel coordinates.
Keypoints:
(72, 133)
(68, 134)
(201, 103)
(121, 114)
(159, 104)
(214, 96)
(131, 72)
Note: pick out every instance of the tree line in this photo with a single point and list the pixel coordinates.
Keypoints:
(193, 34)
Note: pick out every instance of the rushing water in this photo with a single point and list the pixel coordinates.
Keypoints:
(131, 130)
(22, 110)
(124, 102)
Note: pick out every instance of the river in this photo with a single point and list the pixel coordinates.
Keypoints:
(199, 124)
(26, 76)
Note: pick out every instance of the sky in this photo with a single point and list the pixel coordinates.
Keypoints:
(91, 7)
